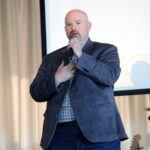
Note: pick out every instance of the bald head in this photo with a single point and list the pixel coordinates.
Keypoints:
(77, 25)
(76, 12)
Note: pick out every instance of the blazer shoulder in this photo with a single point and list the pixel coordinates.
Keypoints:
(54, 54)
(104, 45)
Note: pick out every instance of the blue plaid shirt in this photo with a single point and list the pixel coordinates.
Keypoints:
(66, 113)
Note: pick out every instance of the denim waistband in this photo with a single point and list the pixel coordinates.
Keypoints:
(68, 124)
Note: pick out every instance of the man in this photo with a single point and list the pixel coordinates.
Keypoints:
(77, 83)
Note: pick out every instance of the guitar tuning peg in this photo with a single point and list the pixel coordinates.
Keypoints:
(147, 109)
(140, 148)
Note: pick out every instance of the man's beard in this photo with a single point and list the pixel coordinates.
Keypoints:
(74, 34)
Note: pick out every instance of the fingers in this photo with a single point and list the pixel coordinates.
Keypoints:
(62, 64)
(73, 41)
(70, 66)
(73, 71)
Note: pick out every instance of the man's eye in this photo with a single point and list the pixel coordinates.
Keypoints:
(78, 22)
(68, 25)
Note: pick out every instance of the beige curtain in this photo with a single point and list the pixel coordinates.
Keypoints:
(20, 55)
(135, 118)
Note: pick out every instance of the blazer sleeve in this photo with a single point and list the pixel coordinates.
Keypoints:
(105, 68)
(43, 85)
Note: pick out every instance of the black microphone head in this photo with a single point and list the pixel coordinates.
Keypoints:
(70, 53)
(68, 56)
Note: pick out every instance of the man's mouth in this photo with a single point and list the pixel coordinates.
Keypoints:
(74, 35)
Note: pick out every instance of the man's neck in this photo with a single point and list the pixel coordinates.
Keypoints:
(84, 42)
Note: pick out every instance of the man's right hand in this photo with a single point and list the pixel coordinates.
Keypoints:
(64, 73)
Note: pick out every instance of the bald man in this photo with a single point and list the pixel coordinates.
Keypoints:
(77, 83)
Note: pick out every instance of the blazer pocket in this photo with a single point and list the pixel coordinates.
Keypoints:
(102, 100)
(104, 108)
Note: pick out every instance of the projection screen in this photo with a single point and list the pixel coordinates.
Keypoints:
(124, 23)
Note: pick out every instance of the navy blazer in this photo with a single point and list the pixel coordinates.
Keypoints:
(91, 92)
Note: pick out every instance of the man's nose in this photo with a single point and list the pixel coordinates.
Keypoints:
(73, 27)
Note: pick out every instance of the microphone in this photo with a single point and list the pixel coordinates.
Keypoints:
(70, 54)
(72, 57)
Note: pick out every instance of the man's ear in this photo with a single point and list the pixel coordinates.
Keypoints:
(89, 25)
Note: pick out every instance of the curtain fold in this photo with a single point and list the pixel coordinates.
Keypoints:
(20, 56)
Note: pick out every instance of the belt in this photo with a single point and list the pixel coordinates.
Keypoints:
(68, 124)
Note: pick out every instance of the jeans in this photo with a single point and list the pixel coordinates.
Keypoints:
(70, 138)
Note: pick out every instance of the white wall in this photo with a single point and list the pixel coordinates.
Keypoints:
(124, 23)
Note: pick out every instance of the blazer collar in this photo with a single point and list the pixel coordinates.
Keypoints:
(87, 46)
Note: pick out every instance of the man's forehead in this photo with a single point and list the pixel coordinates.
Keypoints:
(76, 15)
